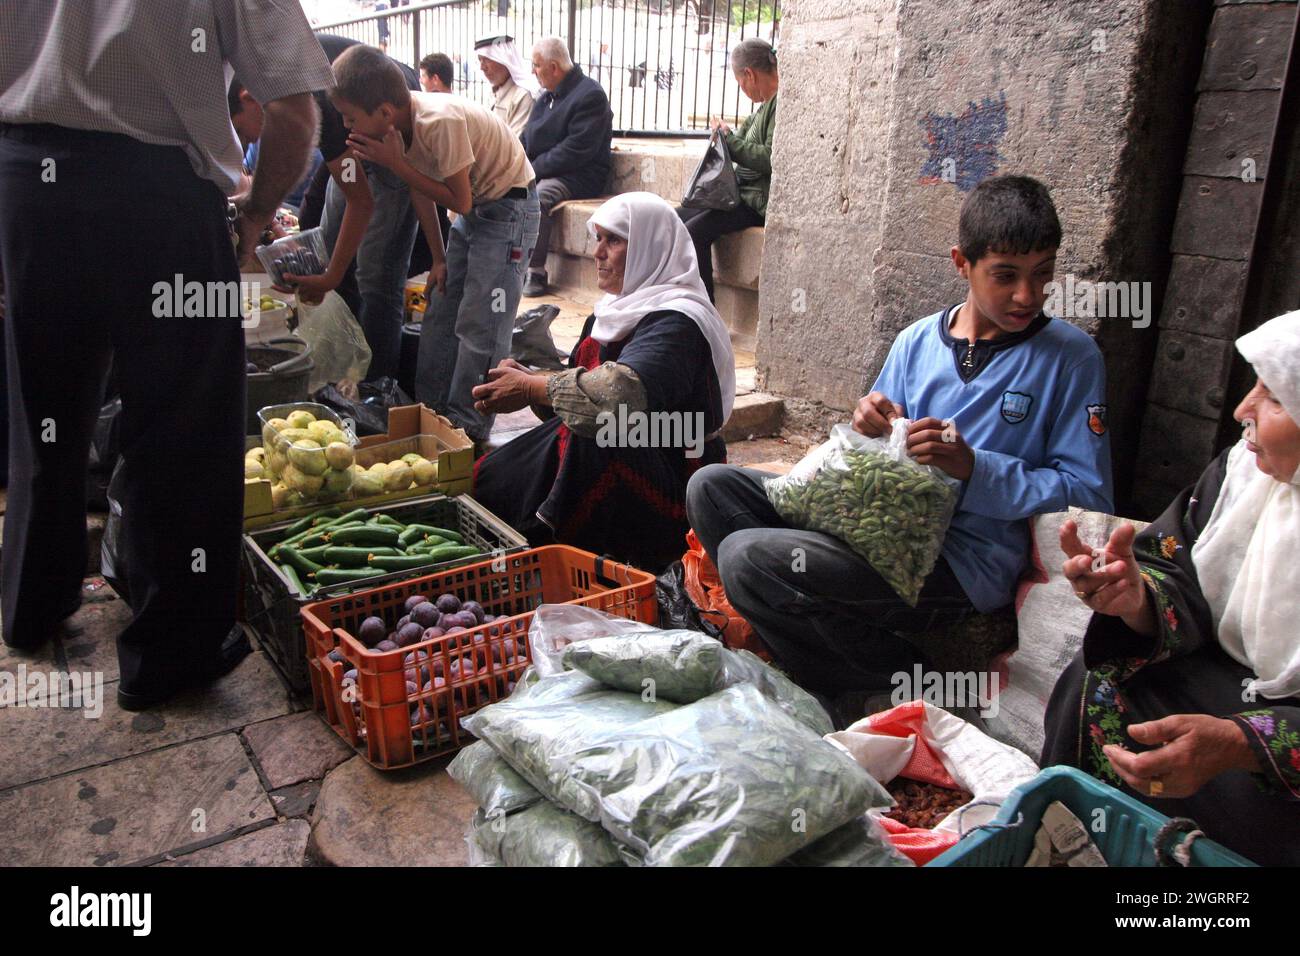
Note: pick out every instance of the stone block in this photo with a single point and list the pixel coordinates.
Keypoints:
(295, 748)
(281, 845)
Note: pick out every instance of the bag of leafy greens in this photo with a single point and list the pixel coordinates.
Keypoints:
(730, 780)
(860, 842)
(532, 731)
(492, 782)
(542, 835)
(686, 666)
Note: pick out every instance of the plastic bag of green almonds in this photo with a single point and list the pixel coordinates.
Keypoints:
(492, 782)
(541, 835)
(730, 780)
(872, 496)
(684, 666)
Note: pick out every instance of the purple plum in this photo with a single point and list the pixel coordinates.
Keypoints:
(448, 604)
(413, 602)
(409, 634)
(476, 609)
(425, 615)
(371, 631)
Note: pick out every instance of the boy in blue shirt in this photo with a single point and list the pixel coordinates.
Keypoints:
(1026, 393)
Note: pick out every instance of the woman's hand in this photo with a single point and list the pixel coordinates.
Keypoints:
(389, 151)
(1116, 589)
(926, 445)
(875, 414)
(311, 289)
(1195, 748)
(509, 387)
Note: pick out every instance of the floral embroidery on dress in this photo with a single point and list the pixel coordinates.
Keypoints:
(1281, 742)
(1166, 615)
(1169, 546)
(1104, 708)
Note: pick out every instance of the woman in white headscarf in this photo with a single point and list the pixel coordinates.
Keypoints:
(1187, 690)
(650, 385)
(514, 88)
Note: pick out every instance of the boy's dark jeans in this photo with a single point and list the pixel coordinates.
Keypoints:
(826, 615)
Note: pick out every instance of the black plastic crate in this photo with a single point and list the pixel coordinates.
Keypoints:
(271, 606)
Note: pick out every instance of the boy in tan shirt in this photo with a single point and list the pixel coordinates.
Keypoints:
(454, 153)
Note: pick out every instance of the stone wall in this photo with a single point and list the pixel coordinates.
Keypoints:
(892, 110)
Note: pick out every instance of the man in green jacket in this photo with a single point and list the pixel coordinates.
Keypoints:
(754, 63)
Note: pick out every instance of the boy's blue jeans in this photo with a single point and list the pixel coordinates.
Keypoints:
(830, 620)
(466, 330)
(382, 261)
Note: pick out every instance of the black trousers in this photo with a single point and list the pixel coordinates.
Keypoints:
(95, 228)
(829, 618)
(706, 226)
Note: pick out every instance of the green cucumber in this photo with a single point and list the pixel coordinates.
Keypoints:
(295, 582)
(364, 537)
(429, 529)
(402, 562)
(304, 566)
(347, 557)
(451, 552)
(327, 576)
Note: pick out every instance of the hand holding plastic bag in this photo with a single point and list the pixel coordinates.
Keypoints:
(338, 346)
(869, 493)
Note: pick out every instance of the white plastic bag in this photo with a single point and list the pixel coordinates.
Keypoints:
(338, 346)
(869, 493)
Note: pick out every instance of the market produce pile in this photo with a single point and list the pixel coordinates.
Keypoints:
(328, 547)
(923, 805)
(890, 510)
(310, 460)
(664, 748)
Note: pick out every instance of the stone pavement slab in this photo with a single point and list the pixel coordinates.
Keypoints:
(98, 622)
(295, 748)
(284, 844)
(38, 742)
(296, 801)
(132, 810)
(412, 817)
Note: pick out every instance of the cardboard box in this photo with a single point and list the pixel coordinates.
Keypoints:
(410, 428)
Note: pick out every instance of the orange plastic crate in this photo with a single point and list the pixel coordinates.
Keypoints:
(391, 726)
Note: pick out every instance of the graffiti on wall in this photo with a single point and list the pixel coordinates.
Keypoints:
(963, 148)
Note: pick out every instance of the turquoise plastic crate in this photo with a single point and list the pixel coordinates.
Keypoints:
(1127, 840)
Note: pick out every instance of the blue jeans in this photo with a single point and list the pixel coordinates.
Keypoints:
(382, 260)
(466, 330)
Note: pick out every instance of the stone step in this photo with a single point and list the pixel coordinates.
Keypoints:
(757, 414)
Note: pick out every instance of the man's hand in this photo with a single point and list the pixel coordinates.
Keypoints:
(437, 280)
(715, 122)
(1196, 749)
(249, 231)
(875, 415)
(1117, 588)
(926, 446)
(509, 388)
(311, 289)
(389, 151)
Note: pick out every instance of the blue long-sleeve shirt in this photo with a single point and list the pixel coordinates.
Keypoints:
(1032, 406)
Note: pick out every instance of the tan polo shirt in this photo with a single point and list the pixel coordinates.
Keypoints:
(449, 132)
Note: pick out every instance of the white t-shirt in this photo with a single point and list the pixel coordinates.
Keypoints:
(449, 133)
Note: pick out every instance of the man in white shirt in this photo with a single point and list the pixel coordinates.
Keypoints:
(514, 89)
(116, 157)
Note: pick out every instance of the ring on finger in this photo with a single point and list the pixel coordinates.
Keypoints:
(1156, 787)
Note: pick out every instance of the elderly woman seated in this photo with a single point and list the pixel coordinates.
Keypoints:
(650, 384)
(1187, 690)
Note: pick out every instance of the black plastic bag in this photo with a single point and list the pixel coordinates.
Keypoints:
(530, 341)
(714, 184)
(112, 557)
(676, 609)
(369, 415)
(105, 443)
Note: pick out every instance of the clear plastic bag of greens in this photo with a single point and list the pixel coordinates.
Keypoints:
(541, 722)
(493, 783)
(860, 842)
(869, 493)
(730, 780)
(556, 626)
(685, 666)
(541, 835)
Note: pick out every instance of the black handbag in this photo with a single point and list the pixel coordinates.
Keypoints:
(714, 184)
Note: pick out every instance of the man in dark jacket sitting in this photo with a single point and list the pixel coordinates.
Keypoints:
(567, 140)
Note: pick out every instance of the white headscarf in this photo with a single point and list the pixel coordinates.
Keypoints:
(507, 54)
(660, 272)
(1246, 558)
